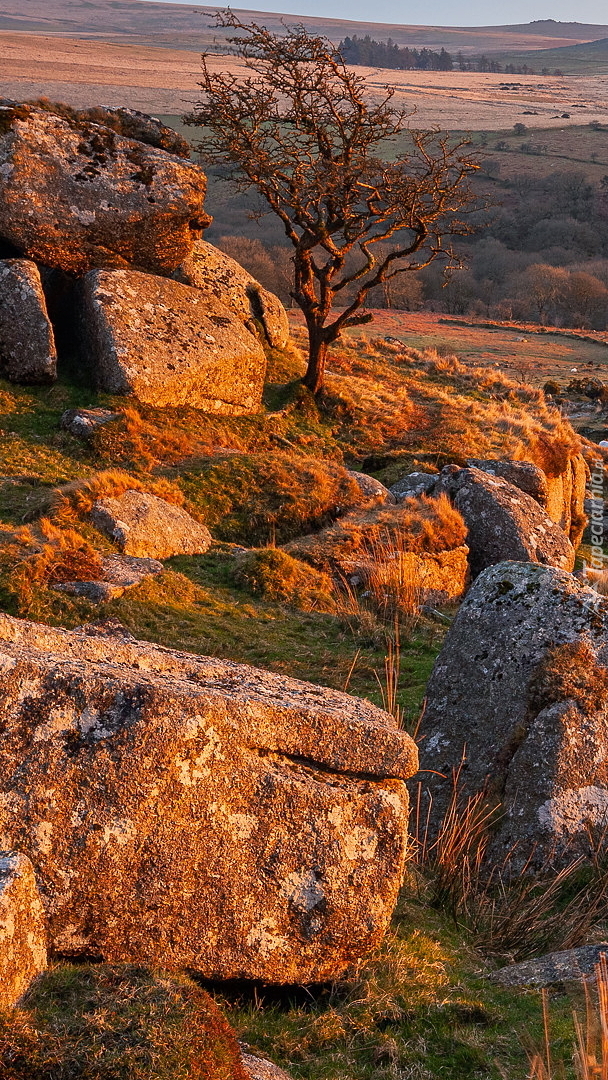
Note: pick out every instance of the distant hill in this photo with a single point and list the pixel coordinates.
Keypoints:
(184, 26)
(589, 57)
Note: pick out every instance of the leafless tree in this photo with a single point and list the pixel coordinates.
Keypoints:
(300, 127)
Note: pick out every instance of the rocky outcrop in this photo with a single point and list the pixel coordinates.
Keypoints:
(118, 574)
(22, 928)
(194, 812)
(519, 691)
(372, 490)
(27, 343)
(561, 495)
(78, 195)
(503, 522)
(522, 474)
(169, 344)
(144, 525)
(220, 277)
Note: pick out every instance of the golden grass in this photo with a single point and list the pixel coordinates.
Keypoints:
(41, 555)
(276, 576)
(117, 1022)
(381, 535)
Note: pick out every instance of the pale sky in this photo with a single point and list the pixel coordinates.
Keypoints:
(438, 12)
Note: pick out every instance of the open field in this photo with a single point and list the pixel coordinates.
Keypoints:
(525, 353)
(164, 81)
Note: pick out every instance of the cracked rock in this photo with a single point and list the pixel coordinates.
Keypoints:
(169, 344)
(519, 694)
(193, 812)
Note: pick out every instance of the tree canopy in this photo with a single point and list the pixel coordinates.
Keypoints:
(341, 169)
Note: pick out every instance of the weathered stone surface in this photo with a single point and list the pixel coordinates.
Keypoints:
(195, 812)
(416, 483)
(373, 490)
(83, 423)
(169, 344)
(27, 344)
(22, 928)
(520, 690)
(219, 276)
(119, 573)
(567, 966)
(522, 474)
(566, 497)
(144, 525)
(76, 195)
(503, 522)
(261, 1069)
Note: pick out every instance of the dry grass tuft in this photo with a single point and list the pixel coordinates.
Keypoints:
(507, 916)
(569, 672)
(275, 575)
(117, 1022)
(363, 537)
(258, 499)
(41, 555)
(590, 1052)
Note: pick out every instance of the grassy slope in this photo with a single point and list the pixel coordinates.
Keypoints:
(418, 1009)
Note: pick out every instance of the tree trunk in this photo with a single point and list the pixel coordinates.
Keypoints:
(317, 356)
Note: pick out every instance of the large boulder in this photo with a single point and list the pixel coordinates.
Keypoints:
(519, 694)
(522, 474)
(199, 813)
(504, 522)
(27, 343)
(22, 928)
(169, 344)
(219, 276)
(143, 525)
(77, 195)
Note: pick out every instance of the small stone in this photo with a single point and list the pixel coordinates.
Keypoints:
(22, 928)
(83, 423)
(567, 966)
(416, 483)
(372, 490)
(151, 528)
(119, 573)
(261, 1069)
(27, 343)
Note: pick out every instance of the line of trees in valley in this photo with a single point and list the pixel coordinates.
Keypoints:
(367, 52)
(370, 53)
(541, 255)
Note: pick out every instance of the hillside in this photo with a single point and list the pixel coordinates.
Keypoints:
(581, 59)
(184, 26)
